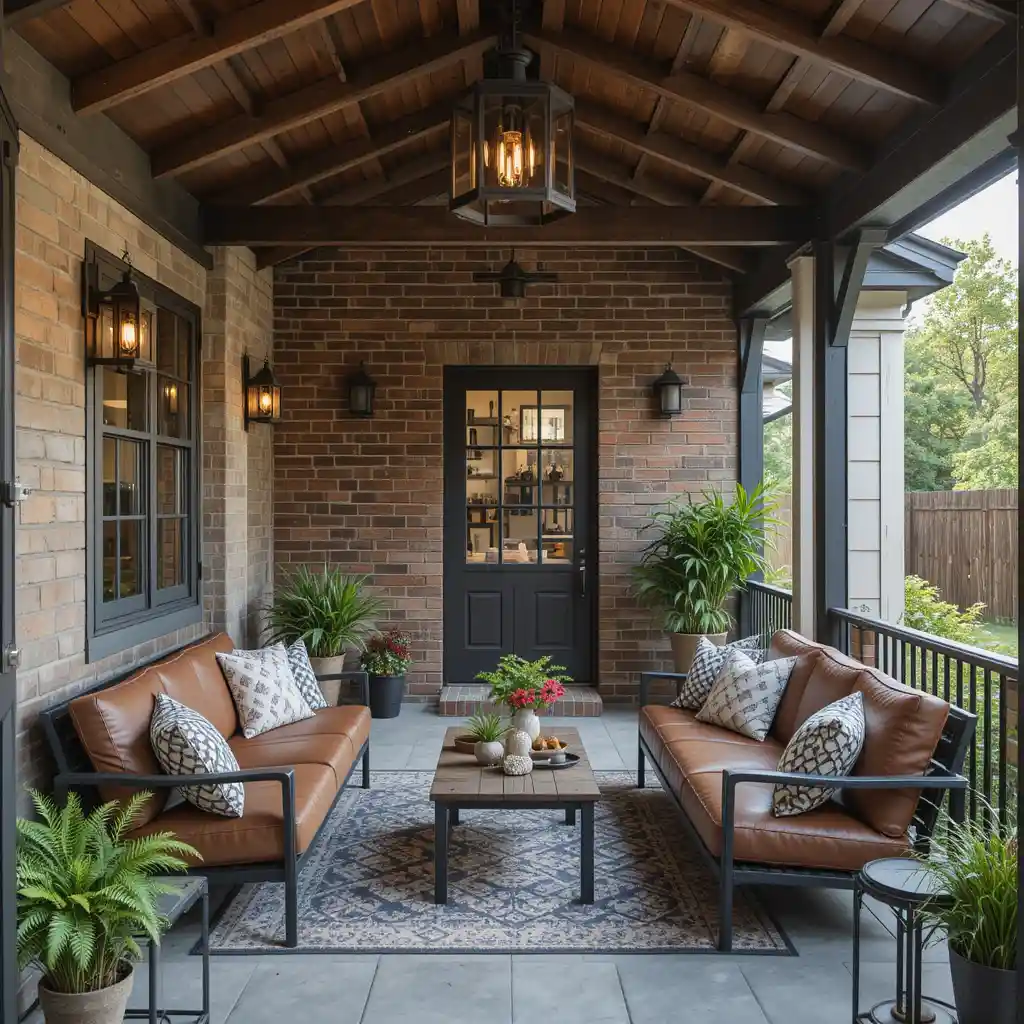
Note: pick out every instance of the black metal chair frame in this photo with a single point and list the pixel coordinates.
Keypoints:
(74, 771)
(943, 778)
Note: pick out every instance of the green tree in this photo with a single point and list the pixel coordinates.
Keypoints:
(778, 449)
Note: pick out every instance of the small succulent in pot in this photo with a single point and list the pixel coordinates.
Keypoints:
(487, 731)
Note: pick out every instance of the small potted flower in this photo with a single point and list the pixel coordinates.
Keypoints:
(385, 660)
(487, 731)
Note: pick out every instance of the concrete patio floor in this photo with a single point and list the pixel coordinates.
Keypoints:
(812, 988)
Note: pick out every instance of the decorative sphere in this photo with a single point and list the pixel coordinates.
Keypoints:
(518, 743)
(515, 764)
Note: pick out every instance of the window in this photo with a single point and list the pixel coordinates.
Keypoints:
(143, 470)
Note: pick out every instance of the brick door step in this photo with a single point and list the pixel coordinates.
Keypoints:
(460, 699)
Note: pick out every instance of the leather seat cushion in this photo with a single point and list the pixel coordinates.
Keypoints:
(787, 644)
(348, 720)
(258, 836)
(113, 723)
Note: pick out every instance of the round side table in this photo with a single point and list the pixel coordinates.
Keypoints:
(905, 887)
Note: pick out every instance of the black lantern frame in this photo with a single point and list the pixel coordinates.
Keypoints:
(262, 403)
(512, 161)
(668, 392)
(362, 389)
(119, 324)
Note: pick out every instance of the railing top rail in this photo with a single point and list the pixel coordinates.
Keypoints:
(998, 663)
(769, 588)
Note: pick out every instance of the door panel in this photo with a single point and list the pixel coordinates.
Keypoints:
(520, 494)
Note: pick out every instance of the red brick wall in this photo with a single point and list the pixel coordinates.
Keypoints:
(367, 494)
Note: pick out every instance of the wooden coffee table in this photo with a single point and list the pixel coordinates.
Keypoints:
(460, 783)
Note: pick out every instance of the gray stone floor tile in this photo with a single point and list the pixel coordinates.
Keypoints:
(313, 990)
(569, 992)
(799, 993)
(182, 987)
(440, 990)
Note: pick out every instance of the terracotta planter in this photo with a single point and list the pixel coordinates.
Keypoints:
(983, 995)
(329, 667)
(105, 1006)
(684, 647)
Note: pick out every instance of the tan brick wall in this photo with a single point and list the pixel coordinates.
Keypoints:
(367, 494)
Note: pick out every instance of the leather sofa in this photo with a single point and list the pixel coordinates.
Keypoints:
(293, 775)
(914, 748)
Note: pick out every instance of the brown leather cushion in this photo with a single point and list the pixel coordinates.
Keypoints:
(787, 644)
(826, 838)
(258, 836)
(113, 724)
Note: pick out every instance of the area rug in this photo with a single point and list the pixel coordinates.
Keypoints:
(368, 884)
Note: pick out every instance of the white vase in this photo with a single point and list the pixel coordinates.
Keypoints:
(528, 722)
(489, 751)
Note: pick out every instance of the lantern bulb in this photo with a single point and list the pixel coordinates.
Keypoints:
(129, 337)
(510, 159)
(266, 401)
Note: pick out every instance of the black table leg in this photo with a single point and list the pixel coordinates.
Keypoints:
(453, 816)
(206, 957)
(154, 982)
(858, 900)
(440, 853)
(570, 816)
(587, 853)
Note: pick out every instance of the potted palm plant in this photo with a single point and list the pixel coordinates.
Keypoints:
(385, 660)
(486, 731)
(84, 895)
(975, 879)
(330, 612)
(701, 553)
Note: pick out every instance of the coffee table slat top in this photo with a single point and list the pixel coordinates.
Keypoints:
(459, 779)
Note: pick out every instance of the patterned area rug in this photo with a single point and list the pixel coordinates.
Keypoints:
(368, 884)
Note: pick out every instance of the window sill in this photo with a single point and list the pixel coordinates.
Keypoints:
(114, 641)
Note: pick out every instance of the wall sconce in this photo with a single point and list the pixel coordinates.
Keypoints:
(119, 325)
(668, 390)
(262, 394)
(361, 389)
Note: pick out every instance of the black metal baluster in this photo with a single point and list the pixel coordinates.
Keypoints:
(972, 698)
(1004, 763)
(987, 733)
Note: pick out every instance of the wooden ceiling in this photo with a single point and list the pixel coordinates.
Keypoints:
(344, 102)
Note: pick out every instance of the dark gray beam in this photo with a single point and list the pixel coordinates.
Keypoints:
(867, 240)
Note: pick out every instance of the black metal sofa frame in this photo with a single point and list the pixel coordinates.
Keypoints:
(943, 777)
(75, 772)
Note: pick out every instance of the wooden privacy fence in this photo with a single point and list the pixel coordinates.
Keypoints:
(965, 543)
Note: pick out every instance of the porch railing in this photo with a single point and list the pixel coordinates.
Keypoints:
(766, 608)
(979, 681)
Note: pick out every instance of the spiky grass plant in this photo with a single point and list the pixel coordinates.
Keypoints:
(486, 728)
(976, 871)
(84, 891)
(328, 611)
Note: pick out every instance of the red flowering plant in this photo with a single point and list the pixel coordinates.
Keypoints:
(523, 684)
(536, 699)
(387, 654)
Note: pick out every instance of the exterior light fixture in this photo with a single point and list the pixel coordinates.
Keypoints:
(361, 390)
(262, 395)
(119, 324)
(512, 144)
(171, 398)
(668, 391)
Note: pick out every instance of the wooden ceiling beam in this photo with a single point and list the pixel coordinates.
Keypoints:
(314, 101)
(611, 171)
(337, 158)
(233, 33)
(384, 227)
(789, 31)
(376, 188)
(16, 13)
(991, 10)
(700, 93)
(686, 156)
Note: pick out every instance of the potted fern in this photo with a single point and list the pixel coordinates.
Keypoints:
(330, 612)
(701, 553)
(84, 895)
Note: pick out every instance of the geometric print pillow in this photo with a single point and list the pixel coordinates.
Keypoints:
(707, 661)
(185, 743)
(263, 689)
(745, 695)
(828, 743)
(302, 671)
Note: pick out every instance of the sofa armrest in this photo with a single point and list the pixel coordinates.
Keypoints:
(646, 678)
(350, 675)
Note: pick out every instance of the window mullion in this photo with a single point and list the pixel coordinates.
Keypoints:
(151, 470)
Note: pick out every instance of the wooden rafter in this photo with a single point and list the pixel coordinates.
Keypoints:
(376, 189)
(702, 94)
(794, 34)
(672, 150)
(611, 171)
(233, 33)
(378, 227)
(316, 100)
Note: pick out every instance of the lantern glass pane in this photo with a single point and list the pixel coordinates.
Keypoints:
(127, 322)
(463, 153)
(671, 398)
(536, 117)
(147, 322)
(105, 332)
(562, 153)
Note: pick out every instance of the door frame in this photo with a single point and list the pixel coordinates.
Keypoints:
(460, 377)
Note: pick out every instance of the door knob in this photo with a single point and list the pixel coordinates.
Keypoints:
(582, 569)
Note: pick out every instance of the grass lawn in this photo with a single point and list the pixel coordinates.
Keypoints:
(998, 636)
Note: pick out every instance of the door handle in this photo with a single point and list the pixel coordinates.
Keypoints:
(582, 569)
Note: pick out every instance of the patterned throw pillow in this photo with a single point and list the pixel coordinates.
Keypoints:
(707, 662)
(185, 743)
(828, 743)
(263, 689)
(745, 695)
(304, 676)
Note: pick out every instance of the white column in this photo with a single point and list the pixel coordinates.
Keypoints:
(802, 271)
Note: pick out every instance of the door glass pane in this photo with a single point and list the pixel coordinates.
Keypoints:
(519, 477)
(170, 480)
(109, 476)
(170, 570)
(172, 405)
(130, 486)
(481, 533)
(130, 562)
(110, 561)
(556, 523)
(519, 535)
(556, 476)
(124, 399)
(172, 344)
(482, 411)
(556, 417)
(557, 552)
(519, 412)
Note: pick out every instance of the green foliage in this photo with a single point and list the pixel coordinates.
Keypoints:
(486, 728)
(702, 552)
(328, 611)
(993, 464)
(778, 450)
(84, 891)
(514, 673)
(977, 870)
(925, 610)
(387, 654)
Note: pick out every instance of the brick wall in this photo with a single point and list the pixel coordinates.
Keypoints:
(367, 494)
